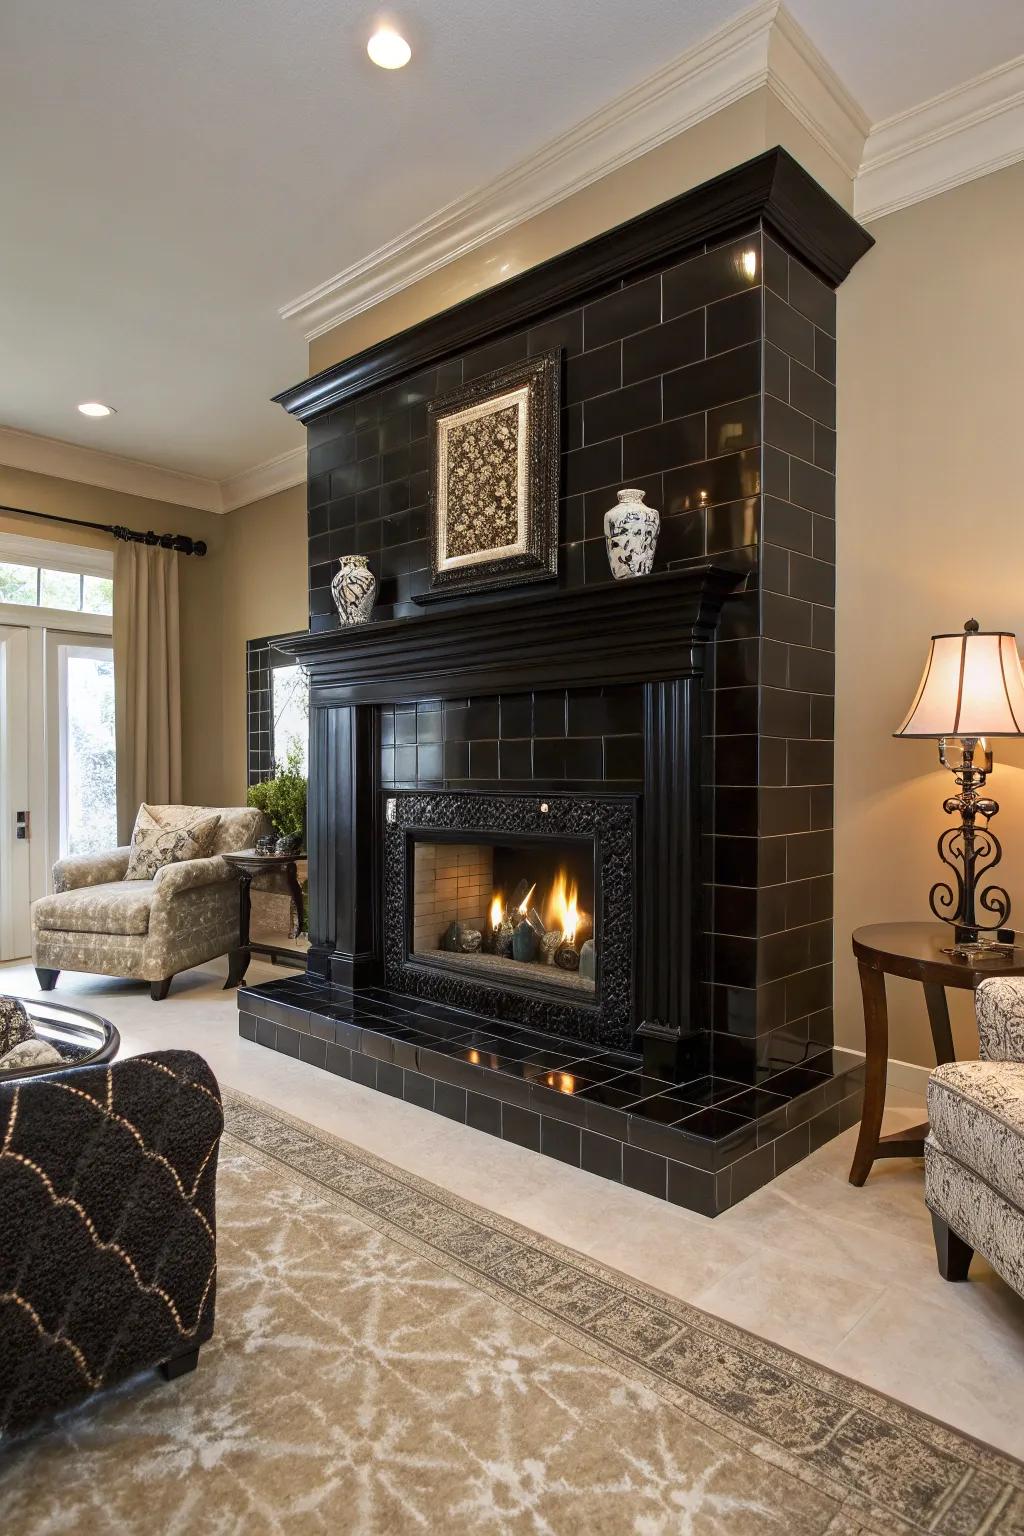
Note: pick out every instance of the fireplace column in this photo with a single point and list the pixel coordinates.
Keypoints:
(671, 879)
(343, 838)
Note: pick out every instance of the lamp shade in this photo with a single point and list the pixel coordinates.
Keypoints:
(972, 686)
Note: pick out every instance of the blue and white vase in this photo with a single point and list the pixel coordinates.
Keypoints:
(354, 589)
(631, 534)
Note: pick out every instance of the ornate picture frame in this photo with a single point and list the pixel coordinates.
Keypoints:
(494, 479)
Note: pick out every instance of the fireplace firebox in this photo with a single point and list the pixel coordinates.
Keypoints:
(518, 906)
(517, 913)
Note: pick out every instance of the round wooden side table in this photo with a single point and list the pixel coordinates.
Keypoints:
(247, 863)
(916, 951)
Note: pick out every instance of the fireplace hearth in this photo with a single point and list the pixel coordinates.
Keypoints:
(570, 848)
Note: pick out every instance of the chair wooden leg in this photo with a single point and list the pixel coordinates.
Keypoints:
(180, 1365)
(953, 1254)
(159, 989)
(47, 979)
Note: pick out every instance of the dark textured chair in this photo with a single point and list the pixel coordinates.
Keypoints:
(107, 1236)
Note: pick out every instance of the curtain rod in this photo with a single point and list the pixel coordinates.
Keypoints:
(180, 542)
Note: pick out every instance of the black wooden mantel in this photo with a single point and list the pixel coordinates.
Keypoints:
(651, 630)
(648, 629)
(772, 187)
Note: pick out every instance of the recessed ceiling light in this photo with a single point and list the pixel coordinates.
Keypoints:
(94, 408)
(388, 49)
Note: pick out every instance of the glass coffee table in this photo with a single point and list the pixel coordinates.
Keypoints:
(83, 1039)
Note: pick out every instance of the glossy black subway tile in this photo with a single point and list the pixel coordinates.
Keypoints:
(724, 377)
(717, 274)
(663, 347)
(619, 314)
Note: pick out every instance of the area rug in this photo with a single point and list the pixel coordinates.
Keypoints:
(390, 1358)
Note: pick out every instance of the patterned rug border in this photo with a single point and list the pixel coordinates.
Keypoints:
(990, 1477)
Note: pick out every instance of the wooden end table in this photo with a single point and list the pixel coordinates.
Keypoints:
(913, 950)
(247, 863)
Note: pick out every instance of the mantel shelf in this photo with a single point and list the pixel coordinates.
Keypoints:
(648, 629)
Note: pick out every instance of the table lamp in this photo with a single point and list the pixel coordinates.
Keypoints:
(972, 690)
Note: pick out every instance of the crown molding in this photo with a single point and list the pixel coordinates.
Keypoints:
(278, 474)
(716, 72)
(967, 132)
(132, 477)
(772, 189)
(958, 136)
(91, 466)
(762, 47)
(809, 88)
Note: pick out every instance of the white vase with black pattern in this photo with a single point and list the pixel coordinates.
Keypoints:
(631, 535)
(354, 589)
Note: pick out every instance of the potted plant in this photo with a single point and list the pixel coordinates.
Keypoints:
(282, 800)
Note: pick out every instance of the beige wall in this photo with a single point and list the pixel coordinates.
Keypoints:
(200, 588)
(748, 127)
(930, 532)
(264, 593)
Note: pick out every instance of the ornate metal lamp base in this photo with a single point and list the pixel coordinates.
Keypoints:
(970, 850)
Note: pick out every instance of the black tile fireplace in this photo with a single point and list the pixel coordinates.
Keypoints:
(570, 846)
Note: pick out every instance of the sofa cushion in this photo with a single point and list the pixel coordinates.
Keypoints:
(118, 907)
(238, 827)
(169, 834)
(976, 1110)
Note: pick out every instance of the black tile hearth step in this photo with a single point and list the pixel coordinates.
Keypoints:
(703, 1142)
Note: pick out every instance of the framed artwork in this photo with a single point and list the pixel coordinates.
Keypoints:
(494, 479)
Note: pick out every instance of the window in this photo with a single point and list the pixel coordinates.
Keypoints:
(56, 578)
(290, 703)
(19, 584)
(39, 586)
(88, 793)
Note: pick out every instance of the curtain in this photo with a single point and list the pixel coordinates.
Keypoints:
(147, 680)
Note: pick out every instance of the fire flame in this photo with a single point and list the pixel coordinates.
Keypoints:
(525, 901)
(563, 906)
(497, 911)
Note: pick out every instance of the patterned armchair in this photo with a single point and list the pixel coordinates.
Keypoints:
(107, 1228)
(974, 1155)
(98, 921)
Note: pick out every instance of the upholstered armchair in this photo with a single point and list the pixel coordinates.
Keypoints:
(107, 1228)
(99, 921)
(974, 1155)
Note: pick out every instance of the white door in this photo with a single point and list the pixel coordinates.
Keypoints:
(15, 807)
(57, 788)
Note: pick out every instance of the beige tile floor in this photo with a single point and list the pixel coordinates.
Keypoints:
(842, 1275)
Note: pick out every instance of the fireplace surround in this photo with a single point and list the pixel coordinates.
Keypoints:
(590, 840)
(677, 726)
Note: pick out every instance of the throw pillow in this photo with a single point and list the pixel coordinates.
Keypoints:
(155, 843)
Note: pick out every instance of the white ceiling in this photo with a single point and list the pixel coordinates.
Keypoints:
(172, 174)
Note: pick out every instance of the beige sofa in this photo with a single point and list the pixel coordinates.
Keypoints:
(98, 921)
(974, 1155)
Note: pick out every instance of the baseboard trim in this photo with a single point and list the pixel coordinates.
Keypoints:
(906, 1076)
